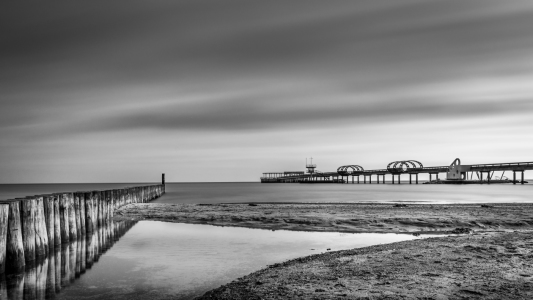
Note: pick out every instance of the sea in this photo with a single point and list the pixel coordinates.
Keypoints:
(158, 260)
(244, 192)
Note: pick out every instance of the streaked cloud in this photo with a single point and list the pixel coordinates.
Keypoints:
(78, 73)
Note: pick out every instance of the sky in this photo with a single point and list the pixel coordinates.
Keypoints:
(122, 91)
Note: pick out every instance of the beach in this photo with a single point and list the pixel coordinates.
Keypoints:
(484, 253)
(342, 217)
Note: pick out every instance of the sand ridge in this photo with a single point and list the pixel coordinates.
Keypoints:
(342, 217)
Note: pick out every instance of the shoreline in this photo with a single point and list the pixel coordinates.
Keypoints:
(493, 260)
(349, 218)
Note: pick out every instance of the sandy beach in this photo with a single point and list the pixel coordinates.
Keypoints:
(490, 257)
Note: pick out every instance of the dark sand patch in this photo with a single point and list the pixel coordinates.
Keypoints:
(495, 265)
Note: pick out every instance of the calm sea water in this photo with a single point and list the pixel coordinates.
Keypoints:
(293, 192)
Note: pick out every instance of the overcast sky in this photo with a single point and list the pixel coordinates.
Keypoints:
(122, 91)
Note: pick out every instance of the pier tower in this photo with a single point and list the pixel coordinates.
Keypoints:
(310, 168)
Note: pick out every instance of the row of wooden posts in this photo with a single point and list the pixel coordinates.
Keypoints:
(65, 263)
(31, 226)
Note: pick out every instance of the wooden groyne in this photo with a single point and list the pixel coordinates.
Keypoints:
(45, 278)
(32, 227)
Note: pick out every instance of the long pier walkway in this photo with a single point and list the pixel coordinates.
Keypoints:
(456, 173)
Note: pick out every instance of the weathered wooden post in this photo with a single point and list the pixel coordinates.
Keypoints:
(89, 213)
(101, 200)
(28, 209)
(15, 259)
(77, 213)
(57, 219)
(49, 216)
(64, 216)
(108, 197)
(4, 215)
(41, 234)
(73, 230)
(83, 226)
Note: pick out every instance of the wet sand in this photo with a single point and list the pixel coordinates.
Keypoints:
(479, 266)
(356, 217)
(493, 260)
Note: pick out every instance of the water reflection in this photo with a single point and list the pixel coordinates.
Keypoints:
(45, 278)
(158, 260)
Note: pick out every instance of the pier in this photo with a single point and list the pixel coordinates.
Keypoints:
(455, 173)
(33, 227)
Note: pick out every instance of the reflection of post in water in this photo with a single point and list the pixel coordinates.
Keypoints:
(51, 276)
(57, 269)
(73, 247)
(65, 265)
(30, 282)
(15, 287)
(44, 278)
(42, 273)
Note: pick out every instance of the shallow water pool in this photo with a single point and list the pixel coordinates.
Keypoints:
(158, 260)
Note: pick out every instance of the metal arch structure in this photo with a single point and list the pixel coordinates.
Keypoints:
(350, 170)
(404, 166)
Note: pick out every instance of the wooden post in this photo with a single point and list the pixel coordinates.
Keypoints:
(73, 234)
(64, 214)
(28, 209)
(77, 213)
(4, 214)
(108, 197)
(41, 235)
(83, 226)
(49, 216)
(89, 213)
(101, 208)
(57, 220)
(96, 195)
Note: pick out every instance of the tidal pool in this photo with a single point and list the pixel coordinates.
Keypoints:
(158, 260)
